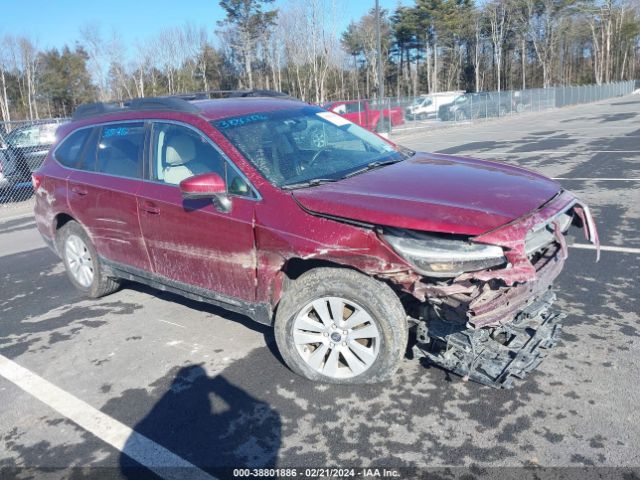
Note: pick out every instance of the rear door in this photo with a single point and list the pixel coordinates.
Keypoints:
(102, 192)
(190, 241)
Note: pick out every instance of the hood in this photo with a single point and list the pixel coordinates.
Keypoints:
(436, 193)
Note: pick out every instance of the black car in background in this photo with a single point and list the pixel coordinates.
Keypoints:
(475, 105)
(22, 151)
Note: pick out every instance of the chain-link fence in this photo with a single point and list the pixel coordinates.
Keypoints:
(23, 147)
(430, 110)
(427, 110)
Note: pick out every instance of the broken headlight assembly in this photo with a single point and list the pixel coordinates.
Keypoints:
(443, 256)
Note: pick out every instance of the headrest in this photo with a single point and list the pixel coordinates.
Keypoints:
(180, 150)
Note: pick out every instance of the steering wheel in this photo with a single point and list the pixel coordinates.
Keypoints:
(317, 156)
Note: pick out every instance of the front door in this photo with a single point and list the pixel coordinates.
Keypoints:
(191, 241)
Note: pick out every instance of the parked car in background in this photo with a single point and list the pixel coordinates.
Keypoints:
(361, 113)
(22, 151)
(475, 105)
(341, 243)
(426, 106)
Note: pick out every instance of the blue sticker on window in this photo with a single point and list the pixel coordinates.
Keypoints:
(239, 121)
(115, 132)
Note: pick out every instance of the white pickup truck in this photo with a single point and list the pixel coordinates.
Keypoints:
(426, 106)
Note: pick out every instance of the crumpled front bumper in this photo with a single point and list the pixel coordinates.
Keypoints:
(495, 296)
(495, 325)
(496, 356)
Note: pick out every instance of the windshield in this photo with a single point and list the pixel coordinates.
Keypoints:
(290, 147)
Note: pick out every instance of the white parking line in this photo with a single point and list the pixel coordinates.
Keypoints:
(604, 248)
(171, 323)
(136, 446)
(598, 179)
(552, 152)
(16, 217)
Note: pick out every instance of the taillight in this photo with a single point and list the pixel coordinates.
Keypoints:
(36, 180)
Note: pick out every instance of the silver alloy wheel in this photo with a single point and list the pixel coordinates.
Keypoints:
(336, 337)
(79, 260)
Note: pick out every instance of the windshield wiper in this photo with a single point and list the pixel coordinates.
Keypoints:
(309, 183)
(371, 166)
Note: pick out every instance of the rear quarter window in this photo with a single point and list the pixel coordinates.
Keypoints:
(69, 150)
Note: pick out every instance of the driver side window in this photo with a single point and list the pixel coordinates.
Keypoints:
(180, 152)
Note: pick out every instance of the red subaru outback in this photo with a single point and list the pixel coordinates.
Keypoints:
(300, 219)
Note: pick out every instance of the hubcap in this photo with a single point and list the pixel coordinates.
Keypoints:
(79, 260)
(336, 337)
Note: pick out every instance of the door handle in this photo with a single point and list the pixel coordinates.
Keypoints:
(149, 207)
(79, 191)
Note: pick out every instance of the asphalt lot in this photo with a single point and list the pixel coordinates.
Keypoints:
(207, 387)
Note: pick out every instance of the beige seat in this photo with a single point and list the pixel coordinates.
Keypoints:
(180, 160)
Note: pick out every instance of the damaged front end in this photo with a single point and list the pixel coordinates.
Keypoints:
(494, 323)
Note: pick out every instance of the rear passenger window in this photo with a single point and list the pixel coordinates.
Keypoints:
(120, 150)
(68, 153)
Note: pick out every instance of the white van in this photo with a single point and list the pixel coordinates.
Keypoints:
(426, 106)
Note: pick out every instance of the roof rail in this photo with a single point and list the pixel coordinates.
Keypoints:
(162, 103)
(175, 104)
(94, 109)
(258, 93)
(208, 94)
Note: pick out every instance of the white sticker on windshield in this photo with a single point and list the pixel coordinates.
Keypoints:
(337, 120)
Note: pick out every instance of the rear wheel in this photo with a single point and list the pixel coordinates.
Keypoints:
(82, 263)
(340, 326)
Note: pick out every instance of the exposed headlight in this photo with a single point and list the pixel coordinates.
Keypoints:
(439, 256)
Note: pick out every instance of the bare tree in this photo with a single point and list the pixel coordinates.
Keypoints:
(498, 14)
(4, 66)
(544, 18)
(97, 49)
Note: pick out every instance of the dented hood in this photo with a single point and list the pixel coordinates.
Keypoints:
(432, 192)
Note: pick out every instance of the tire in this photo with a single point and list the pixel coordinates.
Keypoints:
(460, 116)
(380, 313)
(82, 262)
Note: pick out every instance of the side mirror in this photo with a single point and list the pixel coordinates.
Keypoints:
(207, 185)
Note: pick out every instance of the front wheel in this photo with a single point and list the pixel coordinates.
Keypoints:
(82, 263)
(340, 326)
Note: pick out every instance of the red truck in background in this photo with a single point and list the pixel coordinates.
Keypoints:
(360, 112)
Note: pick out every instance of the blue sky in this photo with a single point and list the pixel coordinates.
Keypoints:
(53, 23)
